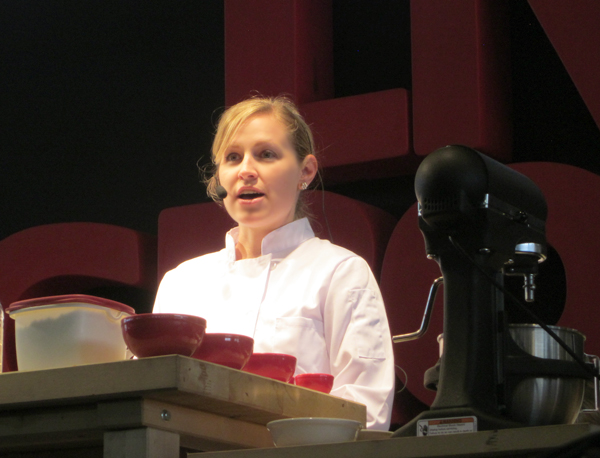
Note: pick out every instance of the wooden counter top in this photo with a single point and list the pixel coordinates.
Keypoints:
(521, 442)
(210, 407)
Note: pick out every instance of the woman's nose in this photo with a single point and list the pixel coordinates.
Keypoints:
(247, 168)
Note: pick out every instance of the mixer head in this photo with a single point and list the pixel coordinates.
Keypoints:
(484, 206)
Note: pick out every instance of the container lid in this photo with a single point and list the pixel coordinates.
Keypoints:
(70, 299)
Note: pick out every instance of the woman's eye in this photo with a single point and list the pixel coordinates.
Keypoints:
(232, 157)
(268, 154)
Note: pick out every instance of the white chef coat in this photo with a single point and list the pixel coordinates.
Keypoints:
(303, 296)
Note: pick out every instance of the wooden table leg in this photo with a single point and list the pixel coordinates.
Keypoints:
(141, 443)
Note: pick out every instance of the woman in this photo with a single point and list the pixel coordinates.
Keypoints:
(274, 280)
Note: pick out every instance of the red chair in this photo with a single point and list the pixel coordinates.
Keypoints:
(192, 230)
(69, 258)
(189, 231)
(357, 226)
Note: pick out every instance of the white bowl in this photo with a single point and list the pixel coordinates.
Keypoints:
(309, 431)
(70, 330)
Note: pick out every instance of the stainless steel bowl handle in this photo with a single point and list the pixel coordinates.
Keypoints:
(426, 315)
(596, 361)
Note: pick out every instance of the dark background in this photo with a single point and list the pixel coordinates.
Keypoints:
(108, 105)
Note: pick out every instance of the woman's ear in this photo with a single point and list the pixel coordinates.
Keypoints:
(310, 166)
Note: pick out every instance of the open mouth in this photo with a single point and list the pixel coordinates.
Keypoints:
(250, 195)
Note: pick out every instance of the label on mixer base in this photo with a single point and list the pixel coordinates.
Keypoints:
(443, 426)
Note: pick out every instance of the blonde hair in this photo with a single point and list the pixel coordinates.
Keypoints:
(232, 119)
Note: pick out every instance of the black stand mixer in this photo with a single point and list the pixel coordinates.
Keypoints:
(481, 220)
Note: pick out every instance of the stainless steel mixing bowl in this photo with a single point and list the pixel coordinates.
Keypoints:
(547, 400)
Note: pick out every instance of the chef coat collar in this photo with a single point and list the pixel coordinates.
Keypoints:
(279, 242)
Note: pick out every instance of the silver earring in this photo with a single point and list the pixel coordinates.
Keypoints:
(304, 185)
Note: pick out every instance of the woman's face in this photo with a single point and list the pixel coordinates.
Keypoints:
(261, 173)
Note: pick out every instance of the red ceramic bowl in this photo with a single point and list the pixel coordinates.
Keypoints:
(273, 365)
(156, 334)
(319, 382)
(231, 350)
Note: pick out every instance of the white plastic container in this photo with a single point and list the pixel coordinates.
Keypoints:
(71, 330)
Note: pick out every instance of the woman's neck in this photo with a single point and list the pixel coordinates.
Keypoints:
(249, 244)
